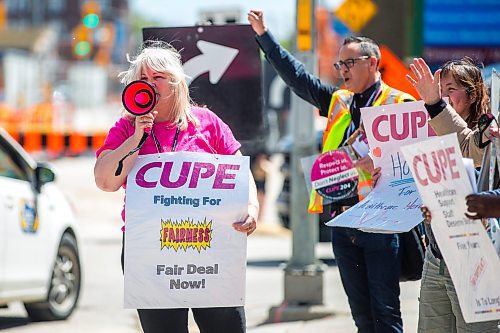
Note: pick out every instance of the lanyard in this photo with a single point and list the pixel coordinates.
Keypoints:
(174, 143)
(373, 97)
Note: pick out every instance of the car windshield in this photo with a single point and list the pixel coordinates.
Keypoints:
(8, 168)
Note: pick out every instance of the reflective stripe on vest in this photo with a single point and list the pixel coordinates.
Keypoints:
(339, 118)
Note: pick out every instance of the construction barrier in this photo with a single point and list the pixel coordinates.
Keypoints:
(57, 144)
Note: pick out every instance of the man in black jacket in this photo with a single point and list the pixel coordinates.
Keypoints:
(369, 263)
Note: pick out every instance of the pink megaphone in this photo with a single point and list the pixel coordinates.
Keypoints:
(139, 98)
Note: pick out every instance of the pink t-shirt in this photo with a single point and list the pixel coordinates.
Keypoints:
(211, 136)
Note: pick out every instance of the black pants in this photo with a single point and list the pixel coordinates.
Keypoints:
(369, 266)
(209, 320)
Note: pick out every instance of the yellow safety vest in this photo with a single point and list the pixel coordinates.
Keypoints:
(339, 120)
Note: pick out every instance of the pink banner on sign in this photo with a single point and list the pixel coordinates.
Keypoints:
(333, 175)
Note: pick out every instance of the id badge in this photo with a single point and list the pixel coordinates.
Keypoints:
(360, 145)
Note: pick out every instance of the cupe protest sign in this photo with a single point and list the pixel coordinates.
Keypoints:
(472, 261)
(181, 250)
(333, 175)
(394, 204)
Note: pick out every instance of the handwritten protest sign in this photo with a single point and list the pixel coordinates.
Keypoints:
(394, 204)
(181, 250)
(472, 261)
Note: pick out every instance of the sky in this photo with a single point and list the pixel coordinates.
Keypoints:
(279, 15)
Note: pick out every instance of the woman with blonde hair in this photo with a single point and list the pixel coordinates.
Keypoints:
(175, 125)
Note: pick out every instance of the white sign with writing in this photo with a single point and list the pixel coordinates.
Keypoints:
(181, 250)
(473, 263)
(394, 204)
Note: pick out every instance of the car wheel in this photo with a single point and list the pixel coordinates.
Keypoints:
(64, 287)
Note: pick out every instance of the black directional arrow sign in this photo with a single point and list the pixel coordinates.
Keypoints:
(225, 73)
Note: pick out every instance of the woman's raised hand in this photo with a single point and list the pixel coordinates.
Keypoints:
(426, 84)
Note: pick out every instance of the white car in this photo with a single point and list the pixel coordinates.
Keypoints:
(39, 258)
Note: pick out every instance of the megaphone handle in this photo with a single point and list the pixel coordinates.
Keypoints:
(139, 146)
(143, 139)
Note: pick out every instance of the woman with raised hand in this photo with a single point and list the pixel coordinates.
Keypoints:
(462, 83)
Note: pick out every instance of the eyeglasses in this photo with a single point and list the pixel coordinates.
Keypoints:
(482, 125)
(348, 63)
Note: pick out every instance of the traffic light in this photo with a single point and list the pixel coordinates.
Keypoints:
(82, 42)
(83, 33)
(91, 12)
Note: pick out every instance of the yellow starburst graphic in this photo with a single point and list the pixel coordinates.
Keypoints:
(185, 234)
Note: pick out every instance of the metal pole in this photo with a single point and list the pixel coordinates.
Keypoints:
(303, 273)
(304, 225)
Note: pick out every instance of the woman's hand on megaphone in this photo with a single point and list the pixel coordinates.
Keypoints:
(144, 123)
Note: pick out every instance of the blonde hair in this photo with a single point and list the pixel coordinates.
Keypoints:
(164, 58)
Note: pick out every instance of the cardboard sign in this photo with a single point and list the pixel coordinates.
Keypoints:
(394, 204)
(472, 261)
(181, 250)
